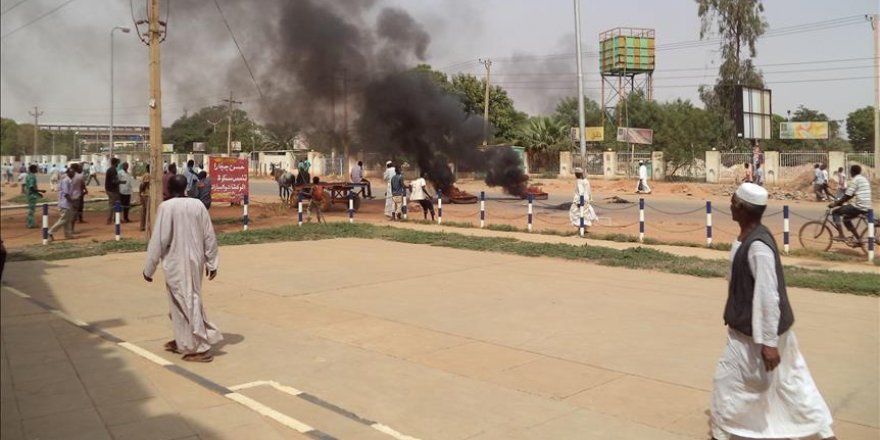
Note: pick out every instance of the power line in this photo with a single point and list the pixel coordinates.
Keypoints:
(51, 11)
(232, 34)
(673, 86)
(13, 7)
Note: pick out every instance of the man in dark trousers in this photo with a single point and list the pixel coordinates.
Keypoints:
(762, 386)
(111, 187)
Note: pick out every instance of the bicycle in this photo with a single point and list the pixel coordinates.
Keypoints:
(819, 235)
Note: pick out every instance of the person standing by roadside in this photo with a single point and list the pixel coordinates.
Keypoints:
(65, 205)
(77, 193)
(125, 187)
(389, 204)
(419, 193)
(33, 194)
(144, 195)
(203, 189)
(317, 199)
(750, 177)
(759, 174)
(192, 177)
(762, 387)
(583, 189)
(819, 183)
(827, 179)
(398, 192)
(169, 173)
(53, 178)
(111, 187)
(92, 173)
(841, 183)
(643, 187)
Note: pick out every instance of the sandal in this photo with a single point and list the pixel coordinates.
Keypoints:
(198, 357)
(172, 347)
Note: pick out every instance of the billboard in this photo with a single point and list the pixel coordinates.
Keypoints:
(236, 145)
(229, 179)
(803, 130)
(593, 134)
(635, 135)
(754, 113)
(198, 147)
(167, 148)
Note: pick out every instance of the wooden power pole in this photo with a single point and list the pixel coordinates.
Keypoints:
(875, 25)
(36, 114)
(229, 101)
(154, 34)
(488, 64)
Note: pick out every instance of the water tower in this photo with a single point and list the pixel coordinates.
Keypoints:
(626, 64)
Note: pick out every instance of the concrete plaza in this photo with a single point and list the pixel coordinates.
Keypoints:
(363, 339)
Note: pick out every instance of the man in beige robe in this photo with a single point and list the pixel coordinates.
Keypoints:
(183, 238)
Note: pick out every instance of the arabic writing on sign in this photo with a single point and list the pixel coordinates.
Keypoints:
(229, 177)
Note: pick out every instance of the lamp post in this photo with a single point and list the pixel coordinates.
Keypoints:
(75, 145)
(124, 30)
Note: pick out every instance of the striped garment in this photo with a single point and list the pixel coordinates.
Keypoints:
(860, 189)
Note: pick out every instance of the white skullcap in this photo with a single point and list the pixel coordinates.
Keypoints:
(751, 193)
(578, 170)
(387, 163)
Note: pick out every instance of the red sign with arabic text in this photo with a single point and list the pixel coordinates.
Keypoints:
(229, 179)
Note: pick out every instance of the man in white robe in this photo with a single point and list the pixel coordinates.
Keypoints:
(583, 189)
(389, 174)
(643, 186)
(762, 386)
(183, 238)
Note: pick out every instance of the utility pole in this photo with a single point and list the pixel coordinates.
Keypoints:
(580, 75)
(875, 25)
(154, 33)
(229, 123)
(488, 64)
(36, 114)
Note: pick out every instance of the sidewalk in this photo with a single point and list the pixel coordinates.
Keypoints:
(682, 251)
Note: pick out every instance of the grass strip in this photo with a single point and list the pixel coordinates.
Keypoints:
(634, 258)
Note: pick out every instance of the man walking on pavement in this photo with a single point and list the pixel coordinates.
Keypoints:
(643, 179)
(183, 239)
(77, 192)
(33, 194)
(762, 387)
(66, 205)
(389, 204)
(419, 193)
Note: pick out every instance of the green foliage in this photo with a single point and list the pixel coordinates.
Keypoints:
(542, 134)
(502, 114)
(860, 128)
(209, 125)
(566, 111)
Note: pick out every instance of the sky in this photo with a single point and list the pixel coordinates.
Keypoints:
(817, 53)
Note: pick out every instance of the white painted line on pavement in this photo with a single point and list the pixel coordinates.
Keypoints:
(68, 318)
(17, 292)
(253, 384)
(266, 411)
(388, 430)
(145, 354)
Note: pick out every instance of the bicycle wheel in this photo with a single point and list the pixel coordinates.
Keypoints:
(815, 236)
(862, 229)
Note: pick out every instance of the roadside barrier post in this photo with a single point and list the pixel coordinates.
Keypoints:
(244, 218)
(641, 219)
(785, 229)
(403, 208)
(530, 213)
(439, 206)
(299, 208)
(45, 223)
(117, 208)
(708, 223)
(871, 237)
(351, 208)
(482, 209)
(581, 207)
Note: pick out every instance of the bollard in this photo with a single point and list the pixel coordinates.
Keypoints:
(244, 218)
(117, 208)
(708, 223)
(871, 237)
(530, 213)
(785, 227)
(299, 208)
(403, 208)
(45, 223)
(581, 206)
(439, 206)
(482, 209)
(641, 220)
(351, 208)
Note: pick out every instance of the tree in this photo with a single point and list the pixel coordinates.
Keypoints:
(566, 111)
(860, 128)
(739, 24)
(209, 125)
(543, 134)
(9, 138)
(502, 114)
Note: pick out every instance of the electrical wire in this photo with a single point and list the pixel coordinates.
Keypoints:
(44, 15)
(235, 40)
(13, 7)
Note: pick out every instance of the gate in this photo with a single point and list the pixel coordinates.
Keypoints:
(593, 163)
(793, 165)
(733, 165)
(628, 162)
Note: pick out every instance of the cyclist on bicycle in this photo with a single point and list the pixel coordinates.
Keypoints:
(858, 194)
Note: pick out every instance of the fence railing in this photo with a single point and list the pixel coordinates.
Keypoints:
(733, 165)
(628, 162)
(592, 163)
(796, 163)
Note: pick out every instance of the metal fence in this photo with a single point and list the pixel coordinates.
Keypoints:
(628, 162)
(593, 163)
(333, 166)
(733, 165)
(796, 163)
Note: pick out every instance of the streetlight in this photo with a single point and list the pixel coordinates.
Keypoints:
(124, 30)
(75, 145)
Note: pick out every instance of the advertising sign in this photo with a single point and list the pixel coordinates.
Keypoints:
(594, 134)
(198, 147)
(635, 135)
(229, 179)
(167, 148)
(754, 113)
(236, 145)
(803, 130)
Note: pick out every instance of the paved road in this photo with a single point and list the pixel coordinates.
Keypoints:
(354, 336)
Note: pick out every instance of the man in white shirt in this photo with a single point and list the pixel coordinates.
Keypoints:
(762, 386)
(389, 174)
(856, 201)
(643, 179)
(357, 176)
(125, 192)
(419, 193)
